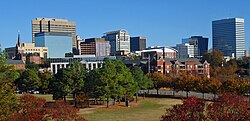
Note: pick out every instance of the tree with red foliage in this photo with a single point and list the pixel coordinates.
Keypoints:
(231, 107)
(191, 110)
(35, 109)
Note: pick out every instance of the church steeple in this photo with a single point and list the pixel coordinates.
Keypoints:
(19, 44)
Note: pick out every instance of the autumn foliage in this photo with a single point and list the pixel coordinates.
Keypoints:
(35, 109)
(230, 107)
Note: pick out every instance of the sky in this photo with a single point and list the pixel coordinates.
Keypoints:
(163, 22)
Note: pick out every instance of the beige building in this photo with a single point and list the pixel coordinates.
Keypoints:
(54, 25)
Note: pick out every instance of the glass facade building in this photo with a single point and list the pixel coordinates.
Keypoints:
(119, 41)
(137, 43)
(200, 44)
(58, 43)
(229, 36)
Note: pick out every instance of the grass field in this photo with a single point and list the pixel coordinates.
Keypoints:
(150, 109)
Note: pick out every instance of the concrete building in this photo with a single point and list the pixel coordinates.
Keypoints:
(200, 45)
(137, 43)
(26, 48)
(89, 63)
(58, 43)
(229, 36)
(95, 46)
(185, 50)
(54, 25)
(119, 41)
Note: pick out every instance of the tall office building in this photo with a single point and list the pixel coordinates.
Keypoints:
(119, 41)
(200, 44)
(137, 43)
(95, 46)
(58, 43)
(229, 36)
(54, 25)
(185, 50)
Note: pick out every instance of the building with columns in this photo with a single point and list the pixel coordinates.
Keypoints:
(89, 63)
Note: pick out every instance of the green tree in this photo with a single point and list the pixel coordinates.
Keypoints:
(8, 100)
(45, 79)
(32, 66)
(141, 80)
(61, 84)
(28, 80)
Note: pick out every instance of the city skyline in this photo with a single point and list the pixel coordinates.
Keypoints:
(164, 23)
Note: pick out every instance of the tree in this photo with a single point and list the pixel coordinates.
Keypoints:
(230, 107)
(192, 109)
(159, 80)
(201, 85)
(28, 80)
(61, 84)
(141, 80)
(185, 83)
(45, 79)
(215, 58)
(8, 99)
(32, 108)
(32, 66)
(214, 86)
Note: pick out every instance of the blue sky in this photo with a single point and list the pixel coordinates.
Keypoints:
(163, 22)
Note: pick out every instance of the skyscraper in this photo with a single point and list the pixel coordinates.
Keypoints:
(200, 44)
(137, 43)
(229, 36)
(54, 25)
(95, 46)
(58, 43)
(119, 41)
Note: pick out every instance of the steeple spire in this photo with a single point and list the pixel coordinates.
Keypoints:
(18, 40)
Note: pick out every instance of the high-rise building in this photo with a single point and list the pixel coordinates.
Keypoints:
(119, 41)
(185, 50)
(95, 46)
(58, 43)
(54, 25)
(229, 36)
(137, 43)
(200, 45)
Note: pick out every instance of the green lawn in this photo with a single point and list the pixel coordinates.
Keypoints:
(150, 109)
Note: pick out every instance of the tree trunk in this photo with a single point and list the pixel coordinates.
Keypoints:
(119, 100)
(75, 98)
(114, 102)
(136, 98)
(144, 95)
(187, 94)
(64, 98)
(107, 102)
(173, 92)
(157, 91)
(95, 101)
(203, 95)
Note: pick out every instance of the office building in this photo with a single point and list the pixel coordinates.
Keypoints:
(95, 46)
(119, 41)
(229, 36)
(185, 50)
(58, 43)
(89, 63)
(137, 43)
(54, 25)
(200, 45)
